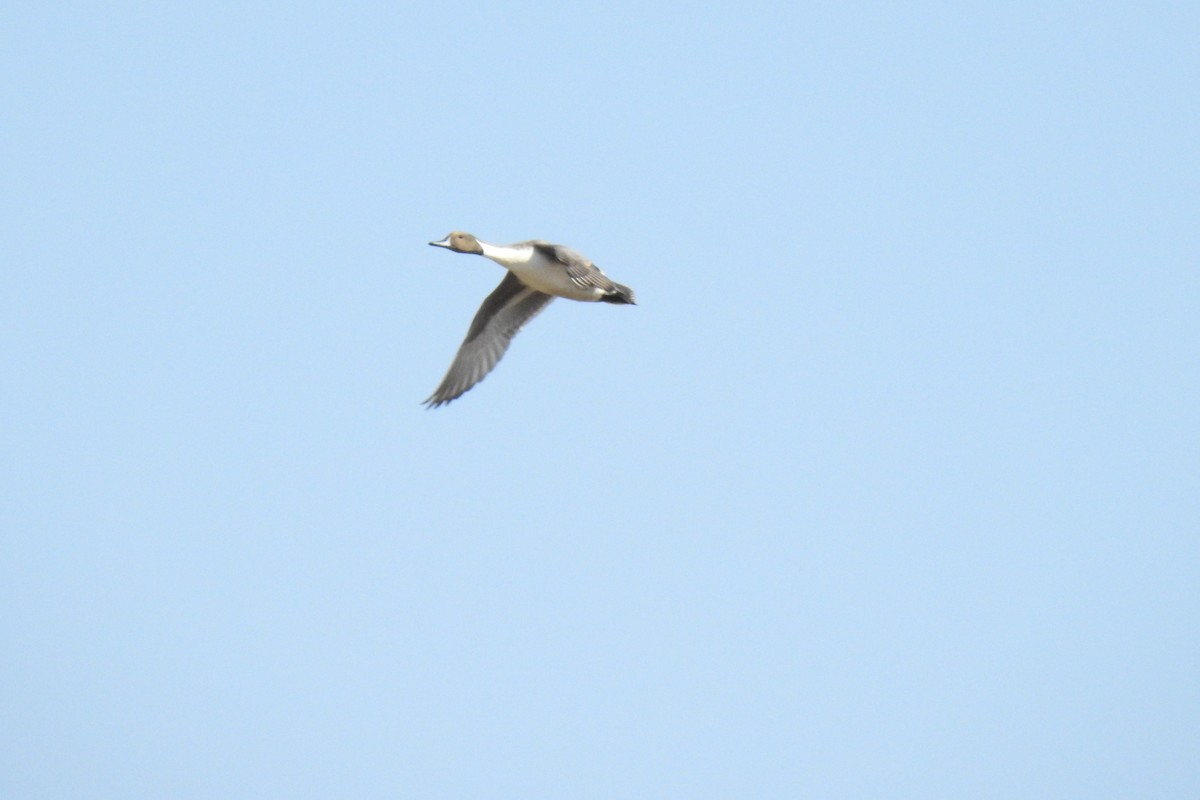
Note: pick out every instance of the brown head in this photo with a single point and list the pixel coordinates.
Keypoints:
(460, 242)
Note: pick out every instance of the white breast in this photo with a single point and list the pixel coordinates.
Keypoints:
(539, 272)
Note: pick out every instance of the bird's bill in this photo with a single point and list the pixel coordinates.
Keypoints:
(443, 243)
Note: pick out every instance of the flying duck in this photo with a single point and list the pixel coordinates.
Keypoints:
(537, 273)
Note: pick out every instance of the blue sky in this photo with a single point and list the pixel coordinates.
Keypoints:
(886, 488)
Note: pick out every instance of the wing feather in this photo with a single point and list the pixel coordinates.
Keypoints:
(503, 313)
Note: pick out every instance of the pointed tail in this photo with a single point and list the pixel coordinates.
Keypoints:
(619, 294)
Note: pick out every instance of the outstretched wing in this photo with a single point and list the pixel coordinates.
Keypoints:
(504, 312)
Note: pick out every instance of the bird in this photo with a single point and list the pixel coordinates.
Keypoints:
(537, 272)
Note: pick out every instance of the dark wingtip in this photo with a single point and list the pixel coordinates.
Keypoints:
(435, 401)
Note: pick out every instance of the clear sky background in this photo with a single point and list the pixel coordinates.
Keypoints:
(886, 488)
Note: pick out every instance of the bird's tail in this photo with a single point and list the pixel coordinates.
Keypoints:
(622, 295)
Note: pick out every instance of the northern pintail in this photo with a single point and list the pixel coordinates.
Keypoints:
(537, 273)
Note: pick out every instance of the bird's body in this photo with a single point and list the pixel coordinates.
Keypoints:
(537, 273)
(553, 269)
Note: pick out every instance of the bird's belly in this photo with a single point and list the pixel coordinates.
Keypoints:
(554, 281)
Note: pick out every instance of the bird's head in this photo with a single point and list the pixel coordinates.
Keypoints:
(460, 242)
